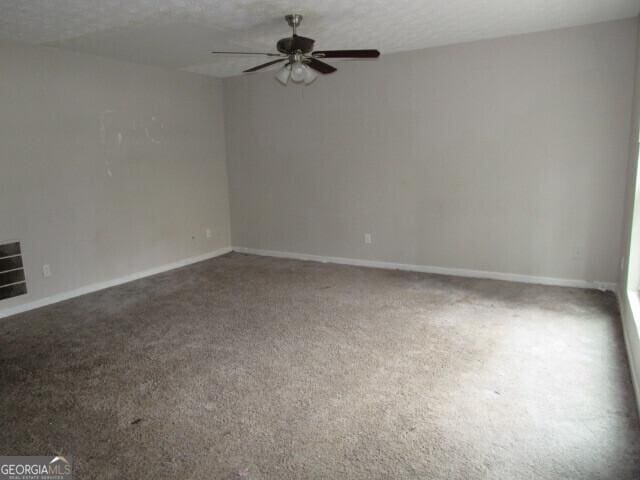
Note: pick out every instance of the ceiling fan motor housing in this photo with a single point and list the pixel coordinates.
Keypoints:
(294, 44)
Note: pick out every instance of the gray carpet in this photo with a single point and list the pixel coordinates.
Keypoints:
(245, 367)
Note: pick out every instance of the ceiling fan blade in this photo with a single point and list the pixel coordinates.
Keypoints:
(347, 54)
(264, 65)
(320, 66)
(250, 53)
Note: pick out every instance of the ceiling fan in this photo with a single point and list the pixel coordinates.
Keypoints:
(302, 63)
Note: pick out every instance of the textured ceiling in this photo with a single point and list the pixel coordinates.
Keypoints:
(180, 33)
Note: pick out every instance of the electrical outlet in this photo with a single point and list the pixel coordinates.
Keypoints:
(367, 238)
(46, 271)
(208, 232)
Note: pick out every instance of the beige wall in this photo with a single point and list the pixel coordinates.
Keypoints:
(107, 168)
(505, 155)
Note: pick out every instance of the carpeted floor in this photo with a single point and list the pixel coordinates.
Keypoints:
(245, 367)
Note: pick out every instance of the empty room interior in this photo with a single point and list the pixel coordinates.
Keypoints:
(266, 239)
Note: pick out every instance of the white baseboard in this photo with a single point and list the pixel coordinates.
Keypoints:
(456, 272)
(94, 287)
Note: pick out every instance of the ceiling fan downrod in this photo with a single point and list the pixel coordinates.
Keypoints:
(294, 20)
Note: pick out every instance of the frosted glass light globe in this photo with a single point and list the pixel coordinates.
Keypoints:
(283, 75)
(309, 75)
(298, 72)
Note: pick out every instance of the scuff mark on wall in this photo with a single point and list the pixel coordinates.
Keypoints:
(104, 119)
(114, 138)
(146, 130)
(156, 127)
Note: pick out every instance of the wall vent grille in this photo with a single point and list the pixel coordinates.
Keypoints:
(12, 279)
